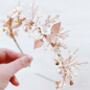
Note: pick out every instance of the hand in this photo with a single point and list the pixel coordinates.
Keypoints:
(10, 63)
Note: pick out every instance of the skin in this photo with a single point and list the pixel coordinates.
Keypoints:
(10, 63)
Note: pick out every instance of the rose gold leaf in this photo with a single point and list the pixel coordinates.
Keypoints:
(38, 43)
(55, 28)
(49, 38)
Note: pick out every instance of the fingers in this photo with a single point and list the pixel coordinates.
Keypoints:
(7, 56)
(14, 81)
(19, 64)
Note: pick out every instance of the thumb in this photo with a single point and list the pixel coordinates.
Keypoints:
(18, 64)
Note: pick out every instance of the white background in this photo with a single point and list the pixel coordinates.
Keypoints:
(75, 15)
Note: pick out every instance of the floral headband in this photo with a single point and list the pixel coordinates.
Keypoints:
(47, 32)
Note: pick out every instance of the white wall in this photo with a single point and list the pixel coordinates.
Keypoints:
(75, 15)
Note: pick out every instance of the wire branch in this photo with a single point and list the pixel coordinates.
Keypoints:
(14, 39)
